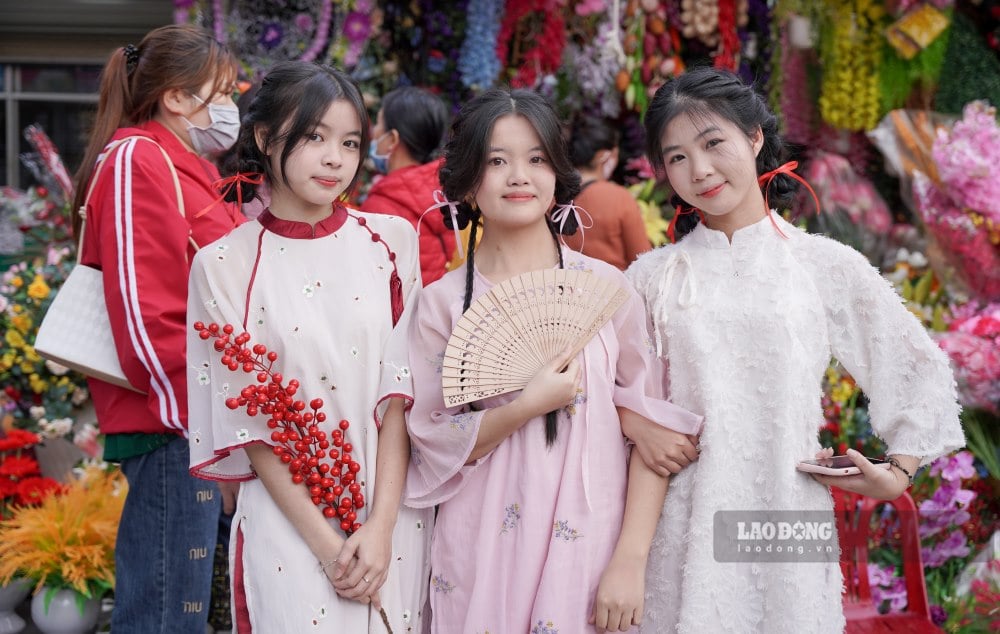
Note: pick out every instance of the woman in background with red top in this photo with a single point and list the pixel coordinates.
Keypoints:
(406, 140)
(618, 234)
(174, 90)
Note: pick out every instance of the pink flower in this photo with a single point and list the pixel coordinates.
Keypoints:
(968, 160)
(304, 22)
(589, 7)
(357, 27)
(886, 586)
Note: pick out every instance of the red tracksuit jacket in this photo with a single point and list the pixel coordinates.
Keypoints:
(137, 237)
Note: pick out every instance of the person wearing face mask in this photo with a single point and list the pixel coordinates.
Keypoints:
(165, 109)
(618, 234)
(406, 140)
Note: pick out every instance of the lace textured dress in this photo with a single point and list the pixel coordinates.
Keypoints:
(749, 328)
(319, 297)
(524, 533)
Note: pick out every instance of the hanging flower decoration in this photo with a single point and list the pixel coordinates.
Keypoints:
(531, 50)
(652, 49)
(478, 62)
(849, 92)
(320, 462)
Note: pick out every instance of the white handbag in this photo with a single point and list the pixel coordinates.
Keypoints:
(76, 331)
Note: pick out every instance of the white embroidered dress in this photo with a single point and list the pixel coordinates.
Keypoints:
(320, 299)
(748, 329)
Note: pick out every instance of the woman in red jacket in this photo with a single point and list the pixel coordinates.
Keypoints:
(406, 140)
(164, 106)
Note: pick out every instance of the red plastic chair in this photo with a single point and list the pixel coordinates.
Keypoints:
(854, 516)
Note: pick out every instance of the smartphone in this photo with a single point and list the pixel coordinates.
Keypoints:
(836, 465)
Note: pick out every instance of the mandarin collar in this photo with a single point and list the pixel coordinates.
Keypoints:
(303, 230)
(759, 231)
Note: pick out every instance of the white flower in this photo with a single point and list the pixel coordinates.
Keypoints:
(36, 411)
(404, 371)
(406, 617)
(211, 303)
(242, 435)
(203, 378)
(56, 368)
(80, 396)
(56, 428)
(354, 351)
(308, 290)
(917, 260)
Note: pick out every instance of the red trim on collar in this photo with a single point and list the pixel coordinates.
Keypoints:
(303, 230)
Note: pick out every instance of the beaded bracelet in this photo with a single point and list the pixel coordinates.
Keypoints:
(892, 461)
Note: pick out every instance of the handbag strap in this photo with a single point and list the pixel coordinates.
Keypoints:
(97, 171)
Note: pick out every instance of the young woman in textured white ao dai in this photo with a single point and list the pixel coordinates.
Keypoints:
(748, 310)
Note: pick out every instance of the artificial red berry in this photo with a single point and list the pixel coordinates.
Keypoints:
(272, 356)
(329, 512)
(198, 325)
(344, 425)
(316, 403)
(348, 447)
(228, 329)
(204, 334)
(232, 403)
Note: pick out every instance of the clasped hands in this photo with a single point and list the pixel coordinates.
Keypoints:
(362, 565)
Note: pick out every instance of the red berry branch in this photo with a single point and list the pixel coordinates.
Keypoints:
(323, 464)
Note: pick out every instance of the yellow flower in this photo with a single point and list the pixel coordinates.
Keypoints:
(38, 289)
(22, 322)
(31, 355)
(14, 339)
(38, 386)
(17, 282)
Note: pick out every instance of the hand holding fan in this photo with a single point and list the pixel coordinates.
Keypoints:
(519, 325)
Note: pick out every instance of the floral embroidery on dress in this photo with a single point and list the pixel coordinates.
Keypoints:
(562, 530)
(211, 303)
(512, 515)
(440, 584)
(415, 456)
(406, 616)
(311, 287)
(318, 616)
(242, 435)
(579, 399)
(220, 251)
(579, 265)
(548, 627)
(354, 351)
(196, 437)
(462, 421)
(436, 362)
(225, 391)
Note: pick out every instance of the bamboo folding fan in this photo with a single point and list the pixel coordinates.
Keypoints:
(520, 325)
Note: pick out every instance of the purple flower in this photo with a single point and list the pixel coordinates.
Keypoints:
(938, 615)
(959, 467)
(183, 4)
(304, 22)
(886, 586)
(955, 545)
(271, 36)
(357, 27)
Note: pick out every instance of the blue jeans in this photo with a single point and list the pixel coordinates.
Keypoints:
(166, 544)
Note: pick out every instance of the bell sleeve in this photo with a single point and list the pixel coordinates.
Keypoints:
(217, 434)
(395, 380)
(640, 377)
(912, 394)
(441, 437)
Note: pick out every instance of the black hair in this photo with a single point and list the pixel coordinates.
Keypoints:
(709, 91)
(588, 137)
(465, 160)
(420, 118)
(289, 104)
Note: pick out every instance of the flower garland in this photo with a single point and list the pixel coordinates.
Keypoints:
(532, 56)
(326, 470)
(729, 40)
(849, 94)
(478, 63)
(591, 64)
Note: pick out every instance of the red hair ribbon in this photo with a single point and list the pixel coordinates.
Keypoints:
(678, 212)
(225, 185)
(788, 169)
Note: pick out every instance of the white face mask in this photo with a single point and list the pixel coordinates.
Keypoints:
(220, 134)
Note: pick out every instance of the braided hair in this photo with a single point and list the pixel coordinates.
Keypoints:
(465, 160)
(709, 91)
